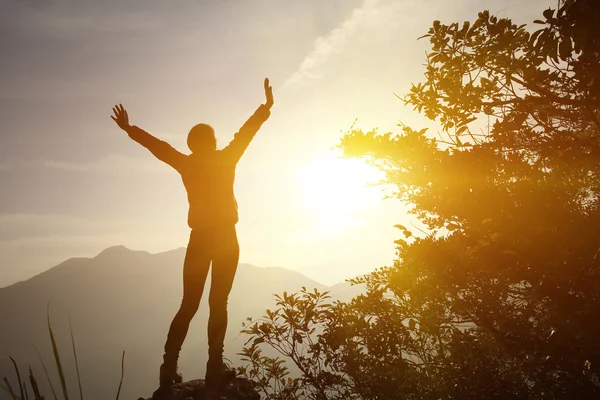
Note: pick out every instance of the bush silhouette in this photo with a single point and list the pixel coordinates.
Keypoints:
(497, 294)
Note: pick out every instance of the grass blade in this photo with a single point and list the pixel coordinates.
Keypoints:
(76, 363)
(122, 373)
(34, 386)
(57, 358)
(25, 389)
(18, 376)
(8, 388)
(47, 375)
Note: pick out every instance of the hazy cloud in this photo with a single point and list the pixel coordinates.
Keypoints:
(111, 163)
(330, 44)
(60, 18)
(20, 226)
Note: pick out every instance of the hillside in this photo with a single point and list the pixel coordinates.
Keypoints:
(125, 300)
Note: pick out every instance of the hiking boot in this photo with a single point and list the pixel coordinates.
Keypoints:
(218, 374)
(168, 371)
(169, 375)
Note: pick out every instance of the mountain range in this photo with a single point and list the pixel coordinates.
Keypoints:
(124, 300)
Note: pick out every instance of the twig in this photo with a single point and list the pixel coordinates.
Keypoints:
(122, 374)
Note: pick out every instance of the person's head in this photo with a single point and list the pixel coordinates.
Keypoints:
(202, 139)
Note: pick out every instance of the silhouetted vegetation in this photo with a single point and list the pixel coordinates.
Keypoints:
(23, 393)
(497, 296)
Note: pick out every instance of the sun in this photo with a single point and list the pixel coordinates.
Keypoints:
(335, 191)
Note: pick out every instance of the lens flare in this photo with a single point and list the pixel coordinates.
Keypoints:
(335, 191)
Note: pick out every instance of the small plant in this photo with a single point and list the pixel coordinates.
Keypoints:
(22, 392)
(299, 330)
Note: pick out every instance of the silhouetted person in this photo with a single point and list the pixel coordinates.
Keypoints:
(208, 175)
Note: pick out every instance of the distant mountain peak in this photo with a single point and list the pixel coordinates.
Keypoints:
(114, 250)
(118, 247)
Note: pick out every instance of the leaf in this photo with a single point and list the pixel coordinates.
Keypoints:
(47, 375)
(34, 385)
(76, 362)
(548, 13)
(61, 373)
(412, 324)
(452, 226)
(401, 243)
(9, 389)
(18, 376)
(565, 48)
(538, 38)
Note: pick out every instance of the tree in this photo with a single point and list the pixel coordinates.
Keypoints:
(498, 296)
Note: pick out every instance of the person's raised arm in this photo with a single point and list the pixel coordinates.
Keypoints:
(161, 149)
(244, 136)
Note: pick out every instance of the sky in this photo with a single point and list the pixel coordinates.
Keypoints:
(73, 184)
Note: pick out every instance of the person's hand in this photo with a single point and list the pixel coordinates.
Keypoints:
(121, 117)
(268, 94)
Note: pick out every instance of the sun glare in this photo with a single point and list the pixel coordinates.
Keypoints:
(336, 190)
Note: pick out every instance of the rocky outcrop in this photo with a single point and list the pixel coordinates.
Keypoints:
(237, 389)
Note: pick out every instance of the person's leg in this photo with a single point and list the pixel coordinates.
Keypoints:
(195, 270)
(225, 261)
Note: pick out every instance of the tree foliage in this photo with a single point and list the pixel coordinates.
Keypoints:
(498, 298)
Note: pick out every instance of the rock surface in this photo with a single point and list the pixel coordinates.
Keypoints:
(237, 389)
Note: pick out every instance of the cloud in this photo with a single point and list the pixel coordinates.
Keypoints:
(19, 230)
(332, 43)
(110, 163)
(31, 243)
(27, 226)
(60, 18)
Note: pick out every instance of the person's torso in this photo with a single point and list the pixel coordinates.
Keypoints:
(209, 180)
